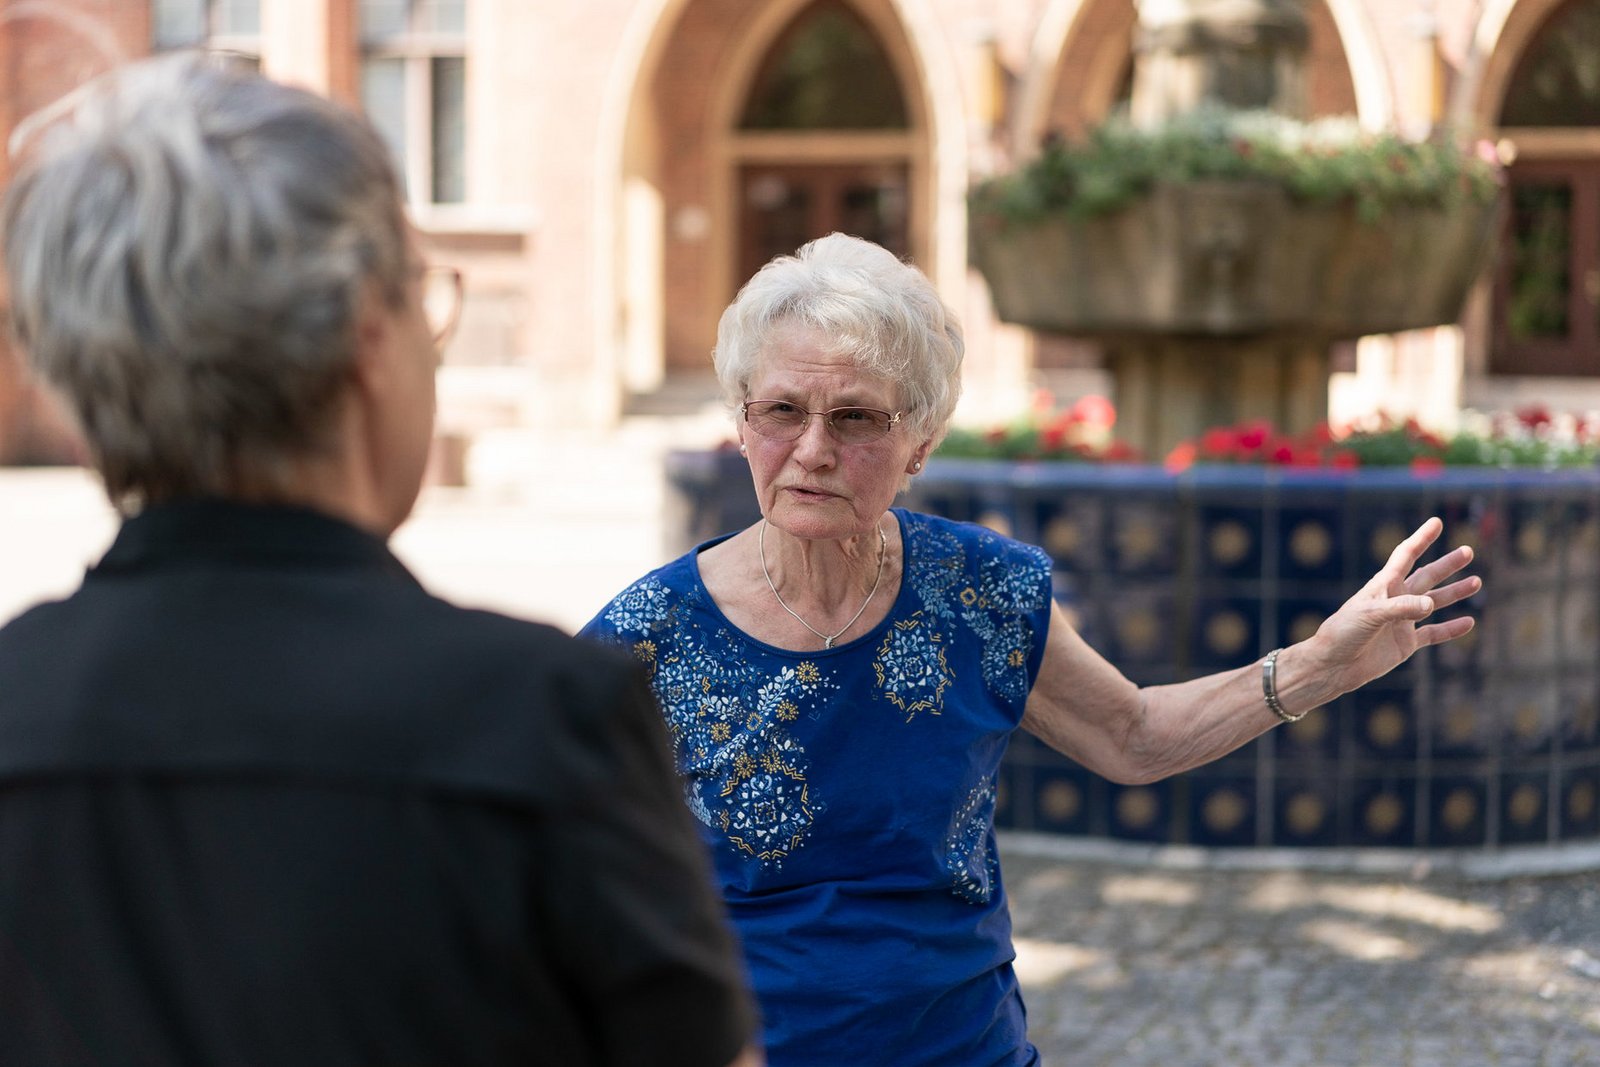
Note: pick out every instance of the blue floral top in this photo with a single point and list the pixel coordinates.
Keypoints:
(848, 797)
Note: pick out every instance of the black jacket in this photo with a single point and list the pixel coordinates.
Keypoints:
(263, 800)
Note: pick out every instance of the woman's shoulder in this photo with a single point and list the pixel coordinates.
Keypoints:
(649, 601)
(937, 541)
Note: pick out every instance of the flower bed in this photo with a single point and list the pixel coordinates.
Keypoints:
(1533, 437)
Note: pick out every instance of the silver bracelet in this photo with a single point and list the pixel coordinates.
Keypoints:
(1269, 688)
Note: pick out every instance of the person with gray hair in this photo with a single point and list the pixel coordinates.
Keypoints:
(841, 678)
(263, 799)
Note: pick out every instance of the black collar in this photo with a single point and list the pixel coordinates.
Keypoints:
(227, 531)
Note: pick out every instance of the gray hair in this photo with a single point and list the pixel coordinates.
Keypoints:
(885, 314)
(187, 248)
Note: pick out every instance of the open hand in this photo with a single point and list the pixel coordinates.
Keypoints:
(1379, 627)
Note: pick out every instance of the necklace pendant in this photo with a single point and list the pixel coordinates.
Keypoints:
(827, 642)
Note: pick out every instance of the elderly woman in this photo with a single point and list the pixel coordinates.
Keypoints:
(841, 678)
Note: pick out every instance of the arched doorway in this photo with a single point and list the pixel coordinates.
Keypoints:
(1546, 306)
(822, 142)
(823, 136)
(713, 163)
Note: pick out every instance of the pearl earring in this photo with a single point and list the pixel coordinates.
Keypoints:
(744, 450)
(916, 466)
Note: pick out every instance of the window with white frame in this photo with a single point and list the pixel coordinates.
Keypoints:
(413, 86)
(221, 25)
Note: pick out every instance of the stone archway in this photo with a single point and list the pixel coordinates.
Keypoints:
(667, 244)
(1078, 71)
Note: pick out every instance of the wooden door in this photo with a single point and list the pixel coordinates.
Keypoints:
(784, 205)
(1547, 278)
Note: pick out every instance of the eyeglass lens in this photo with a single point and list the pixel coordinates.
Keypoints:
(785, 422)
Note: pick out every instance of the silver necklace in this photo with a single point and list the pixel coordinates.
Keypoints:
(827, 641)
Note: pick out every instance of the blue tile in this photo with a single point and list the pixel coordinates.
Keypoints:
(1071, 527)
(1305, 810)
(1229, 540)
(1142, 536)
(1383, 811)
(1065, 800)
(1310, 542)
(1458, 811)
(1460, 719)
(1578, 715)
(1140, 813)
(1315, 737)
(1137, 626)
(1383, 723)
(1524, 808)
(1226, 633)
(1579, 791)
(1222, 810)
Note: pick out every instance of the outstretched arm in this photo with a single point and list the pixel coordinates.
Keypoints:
(1085, 708)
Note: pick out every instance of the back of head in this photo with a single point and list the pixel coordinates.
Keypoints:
(187, 248)
(884, 313)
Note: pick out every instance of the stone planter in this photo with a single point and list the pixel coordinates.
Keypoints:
(1234, 259)
(1488, 742)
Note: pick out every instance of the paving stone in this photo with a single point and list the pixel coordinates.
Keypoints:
(1229, 968)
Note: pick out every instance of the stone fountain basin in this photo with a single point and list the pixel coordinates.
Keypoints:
(1235, 258)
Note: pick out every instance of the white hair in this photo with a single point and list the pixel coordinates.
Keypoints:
(885, 314)
(187, 247)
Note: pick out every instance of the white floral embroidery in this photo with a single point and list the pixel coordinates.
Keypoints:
(911, 668)
(969, 859)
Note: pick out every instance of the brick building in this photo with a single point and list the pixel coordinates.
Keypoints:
(609, 171)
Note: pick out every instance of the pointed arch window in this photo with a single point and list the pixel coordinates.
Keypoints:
(826, 71)
(1557, 81)
(1547, 279)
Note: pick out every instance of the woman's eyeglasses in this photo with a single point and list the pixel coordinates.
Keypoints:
(782, 421)
(441, 301)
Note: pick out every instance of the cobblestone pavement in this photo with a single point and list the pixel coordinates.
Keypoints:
(1131, 965)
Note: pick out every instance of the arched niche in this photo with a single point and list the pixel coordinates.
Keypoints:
(682, 141)
(1544, 75)
(1090, 74)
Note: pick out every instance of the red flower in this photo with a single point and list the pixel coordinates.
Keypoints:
(1283, 453)
(1307, 456)
(1095, 411)
(1062, 421)
(1427, 465)
(1344, 459)
(1252, 436)
(1534, 418)
(1181, 458)
(1216, 442)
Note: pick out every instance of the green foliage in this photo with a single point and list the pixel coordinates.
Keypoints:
(1327, 161)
